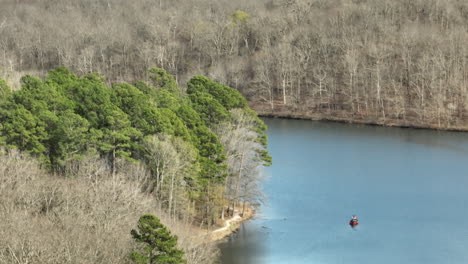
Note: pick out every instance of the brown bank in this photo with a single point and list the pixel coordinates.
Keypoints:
(231, 225)
(343, 116)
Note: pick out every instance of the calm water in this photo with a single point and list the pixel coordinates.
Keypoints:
(409, 189)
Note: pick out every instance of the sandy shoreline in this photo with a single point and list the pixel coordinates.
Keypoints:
(232, 224)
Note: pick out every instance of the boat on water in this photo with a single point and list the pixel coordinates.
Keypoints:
(354, 221)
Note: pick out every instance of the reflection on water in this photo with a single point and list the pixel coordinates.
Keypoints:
(251, 247)
(408, 187)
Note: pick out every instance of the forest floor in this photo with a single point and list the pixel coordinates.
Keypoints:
(232, 224)
(343, 116)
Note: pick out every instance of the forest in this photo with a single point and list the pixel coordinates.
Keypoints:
(91, 139)
(80, 161)
(388, 62)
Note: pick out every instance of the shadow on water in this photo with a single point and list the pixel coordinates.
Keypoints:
(244, 246)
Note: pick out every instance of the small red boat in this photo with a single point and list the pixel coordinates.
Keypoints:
(353, 223)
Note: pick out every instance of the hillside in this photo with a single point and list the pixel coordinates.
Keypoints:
(378, 61)
(80, 161)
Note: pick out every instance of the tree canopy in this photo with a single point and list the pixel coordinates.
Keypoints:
(159, 246)
(63, 118)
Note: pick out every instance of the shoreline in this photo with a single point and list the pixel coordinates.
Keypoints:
(231, 225)
(288, 114)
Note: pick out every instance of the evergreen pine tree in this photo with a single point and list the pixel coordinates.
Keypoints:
(159, 246)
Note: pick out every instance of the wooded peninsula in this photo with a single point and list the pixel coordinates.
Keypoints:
(81, 161)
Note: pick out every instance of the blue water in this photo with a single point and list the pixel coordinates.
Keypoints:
(409, 189)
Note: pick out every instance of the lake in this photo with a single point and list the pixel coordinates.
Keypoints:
(408, 188)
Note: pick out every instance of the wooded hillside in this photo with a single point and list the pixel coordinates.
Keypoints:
(379, 60)
(95, 157)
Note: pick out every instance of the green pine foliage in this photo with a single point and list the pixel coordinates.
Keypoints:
(229, 98)
(5, 91)
(160, 79)
(158, 245)
(63, 118)
(23, 130)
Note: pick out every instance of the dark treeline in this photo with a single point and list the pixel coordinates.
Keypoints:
(121, 147)
(379, 60)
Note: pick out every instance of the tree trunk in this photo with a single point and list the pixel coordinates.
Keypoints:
(171, 193)
(238, 179)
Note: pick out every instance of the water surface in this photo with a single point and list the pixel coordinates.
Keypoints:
(409, 189)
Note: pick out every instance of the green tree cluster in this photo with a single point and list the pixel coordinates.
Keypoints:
(63, 117)
(158, 245)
